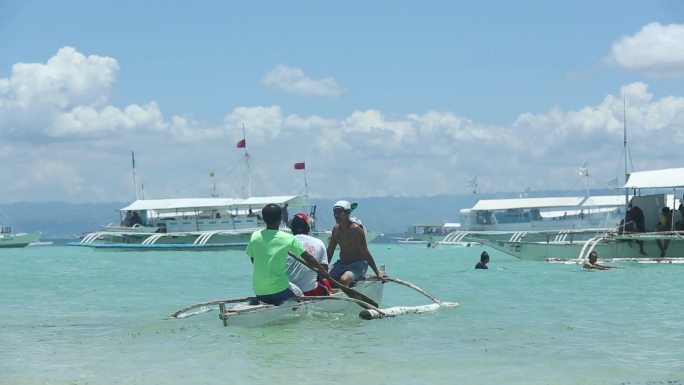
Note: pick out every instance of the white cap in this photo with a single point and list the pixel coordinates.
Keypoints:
(343, 204)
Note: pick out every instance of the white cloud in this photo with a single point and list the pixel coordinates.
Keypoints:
(656, 50)
(293, 80)
(66, 98)
(83, 144)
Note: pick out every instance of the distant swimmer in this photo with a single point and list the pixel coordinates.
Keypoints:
(592, 264)
(484, 259)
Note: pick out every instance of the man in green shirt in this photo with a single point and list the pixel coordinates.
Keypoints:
(268, 250)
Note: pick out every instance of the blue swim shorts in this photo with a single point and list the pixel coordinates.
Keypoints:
(276, 298)
(357, 269)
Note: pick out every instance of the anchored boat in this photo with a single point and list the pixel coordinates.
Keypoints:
(662, 238)
(8, 238)
(186, 224)
(512, 219)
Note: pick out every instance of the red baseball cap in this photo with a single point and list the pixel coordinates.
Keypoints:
(303, 216)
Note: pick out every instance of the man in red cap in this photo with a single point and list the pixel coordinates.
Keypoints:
(306, 279)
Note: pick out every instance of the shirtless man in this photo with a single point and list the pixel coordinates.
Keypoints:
(354, 254)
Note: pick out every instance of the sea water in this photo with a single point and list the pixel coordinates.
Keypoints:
(71, 315)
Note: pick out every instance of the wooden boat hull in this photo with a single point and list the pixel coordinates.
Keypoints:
(244, 314)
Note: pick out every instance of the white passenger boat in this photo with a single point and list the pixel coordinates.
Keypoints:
(512, 219)
(616, 244)
(411, 241)
(428, 234)
(186, 224)
(8, 238)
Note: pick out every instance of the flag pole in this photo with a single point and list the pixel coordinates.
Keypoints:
(302, 166)
(249, 181)
(213, 184)
(135, 183)
(306, 188)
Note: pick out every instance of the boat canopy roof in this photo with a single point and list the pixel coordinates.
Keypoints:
(161, 205)
(665, 178)
(549, 202)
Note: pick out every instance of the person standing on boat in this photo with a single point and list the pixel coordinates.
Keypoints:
(268, 250)
(484, 260)
(285, 215)
(635, 214)
(306, 279)
(354, 254)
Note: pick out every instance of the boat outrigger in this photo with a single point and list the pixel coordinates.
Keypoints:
(247, 311)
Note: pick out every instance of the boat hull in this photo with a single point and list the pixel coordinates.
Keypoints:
(18, 240)
(457, 238)
(609, 246)
(246, 315)
(137, 241)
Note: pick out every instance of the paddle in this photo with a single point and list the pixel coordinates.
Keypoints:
(347, 290)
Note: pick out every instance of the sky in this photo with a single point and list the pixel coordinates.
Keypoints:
(377, 98)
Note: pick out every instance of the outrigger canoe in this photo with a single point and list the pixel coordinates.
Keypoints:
(250, 313)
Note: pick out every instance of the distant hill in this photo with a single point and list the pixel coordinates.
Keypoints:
(59, 220)
(391, 215)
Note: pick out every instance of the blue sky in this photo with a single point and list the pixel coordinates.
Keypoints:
(378, 98)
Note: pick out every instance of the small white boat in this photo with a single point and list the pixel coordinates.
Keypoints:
(8, 238)
(429, 234)
(411, 241)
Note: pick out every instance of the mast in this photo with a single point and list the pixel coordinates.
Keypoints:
(135, 183)
(244, 145)
(306, 189)
(213, 184)
(302, 166)
(624, 134)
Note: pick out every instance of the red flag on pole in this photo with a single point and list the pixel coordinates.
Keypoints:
(242, 143)
(299, 166)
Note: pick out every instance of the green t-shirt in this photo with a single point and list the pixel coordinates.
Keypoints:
(269, 249)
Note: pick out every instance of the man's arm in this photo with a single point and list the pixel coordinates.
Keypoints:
(360, 236)
(311, 260)
(332, 244)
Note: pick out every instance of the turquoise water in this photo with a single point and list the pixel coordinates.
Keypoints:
(78, 316)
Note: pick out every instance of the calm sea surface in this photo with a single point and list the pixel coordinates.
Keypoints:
(72, 315)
